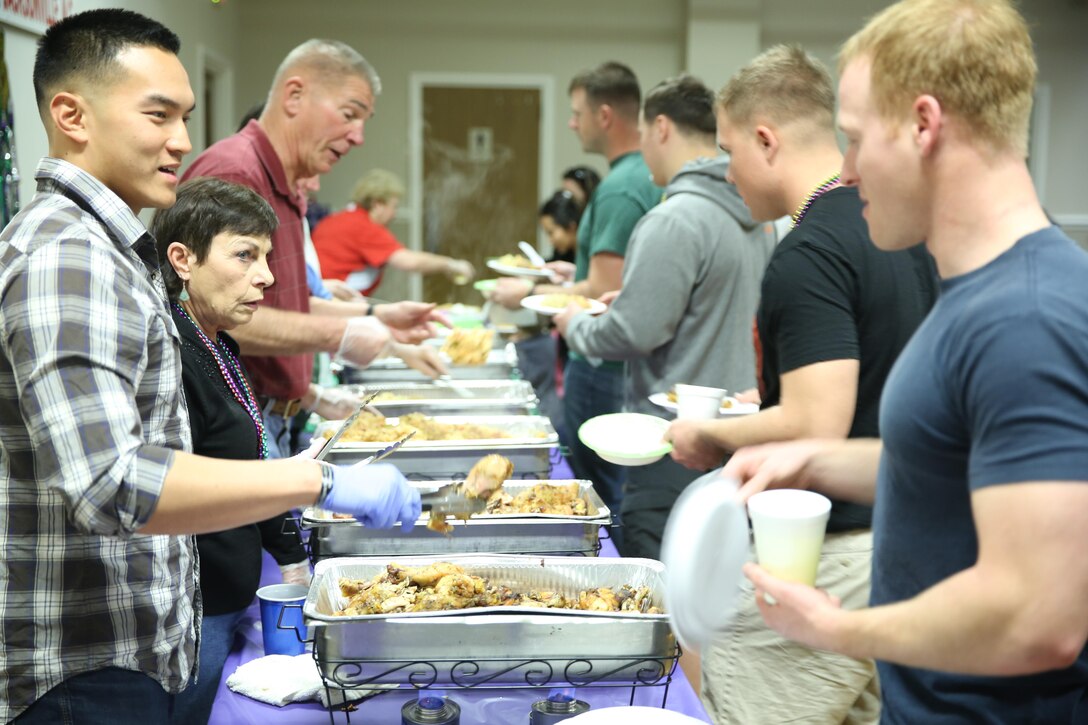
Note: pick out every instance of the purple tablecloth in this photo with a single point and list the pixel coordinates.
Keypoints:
(478, 707)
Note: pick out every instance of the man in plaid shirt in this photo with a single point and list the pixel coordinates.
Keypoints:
(99, 598)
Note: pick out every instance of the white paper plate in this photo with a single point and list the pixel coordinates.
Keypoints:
(737, 408)
(535, 303)
(703, 549)
(518, 271)
(626, 439)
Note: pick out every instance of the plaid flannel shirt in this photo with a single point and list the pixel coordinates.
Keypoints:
(91, 412)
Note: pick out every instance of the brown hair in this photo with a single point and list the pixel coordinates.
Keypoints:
(611, 83)
(205, 207)
(686, 102)
(974, 56)
(782, 84)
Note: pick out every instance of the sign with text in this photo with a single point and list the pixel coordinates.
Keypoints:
(34, 15)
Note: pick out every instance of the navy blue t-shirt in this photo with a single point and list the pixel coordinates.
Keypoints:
(991, 390)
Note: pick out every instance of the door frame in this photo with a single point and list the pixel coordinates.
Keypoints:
(210, 62)
(546, 153)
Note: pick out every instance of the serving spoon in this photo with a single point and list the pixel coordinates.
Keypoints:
(529, 251)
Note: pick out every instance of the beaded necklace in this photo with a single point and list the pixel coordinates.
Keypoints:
(236, 381)
(825, 186)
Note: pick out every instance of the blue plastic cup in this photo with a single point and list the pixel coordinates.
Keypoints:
(288, 639)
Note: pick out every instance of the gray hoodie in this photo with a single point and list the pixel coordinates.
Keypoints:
(691, 283)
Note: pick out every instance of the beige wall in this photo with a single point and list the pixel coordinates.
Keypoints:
(1057, 28)
(557, 39)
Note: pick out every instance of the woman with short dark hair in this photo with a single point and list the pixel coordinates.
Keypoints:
(213, 245)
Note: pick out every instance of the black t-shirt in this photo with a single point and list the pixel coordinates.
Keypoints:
(830, 294)
(230, 561)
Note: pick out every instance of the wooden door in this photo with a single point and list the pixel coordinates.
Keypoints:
(480, 178)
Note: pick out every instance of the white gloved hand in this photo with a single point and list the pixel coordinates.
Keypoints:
(334, 403)
(423, 358)
(364, 339)
(298, 573)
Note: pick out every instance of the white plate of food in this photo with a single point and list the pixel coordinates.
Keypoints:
(517, 265)
(553, 304)
(730, 405)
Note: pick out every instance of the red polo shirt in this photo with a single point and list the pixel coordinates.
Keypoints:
(248, 158)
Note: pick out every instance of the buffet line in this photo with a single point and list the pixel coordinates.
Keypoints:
(512, 595)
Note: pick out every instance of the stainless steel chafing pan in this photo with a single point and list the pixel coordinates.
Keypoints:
(457, 397)
(529, 446)
(494, 644)
(483, 533)
(501, 364)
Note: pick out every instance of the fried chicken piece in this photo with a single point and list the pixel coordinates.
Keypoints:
(380, 595)
(437, 522)
(598, 600)
(487, 476)
(460, 587)
(454, 591)
(426, 576)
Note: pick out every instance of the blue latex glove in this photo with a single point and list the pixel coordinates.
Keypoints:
(377, 495)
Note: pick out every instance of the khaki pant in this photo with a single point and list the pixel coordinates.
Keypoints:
(751, 675)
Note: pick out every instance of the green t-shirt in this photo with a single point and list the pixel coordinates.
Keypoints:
(619, 202)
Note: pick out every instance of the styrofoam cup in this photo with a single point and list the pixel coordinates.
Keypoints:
(698, 402)
(789, 526)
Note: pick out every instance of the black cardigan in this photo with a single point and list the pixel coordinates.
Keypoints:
(230, 561)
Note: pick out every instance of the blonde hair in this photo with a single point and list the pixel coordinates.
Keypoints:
(974, 56)
(782, 84)
(377, 186)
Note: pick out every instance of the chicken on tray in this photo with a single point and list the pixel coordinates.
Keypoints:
(468, 347)
(543, 498)
(444, 587)
(373, 428)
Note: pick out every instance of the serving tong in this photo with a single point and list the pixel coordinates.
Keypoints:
(445, 381)
(450, 500)
(347, 424)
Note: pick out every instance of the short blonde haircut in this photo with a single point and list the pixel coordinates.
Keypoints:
(974, 56)
(783, 84)
(377, 186)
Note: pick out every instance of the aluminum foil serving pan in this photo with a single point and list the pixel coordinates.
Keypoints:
(501, 364)
(483, 533)
(530, 441)
(456, 397)
(521, 645)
